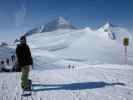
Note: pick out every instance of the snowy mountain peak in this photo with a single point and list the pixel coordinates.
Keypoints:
(57, 23)
(107, 30)
(107, 25)
(61, 20)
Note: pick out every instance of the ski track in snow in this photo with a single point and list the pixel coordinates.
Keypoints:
(92, 83)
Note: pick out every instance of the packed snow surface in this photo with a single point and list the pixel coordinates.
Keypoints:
(89, 82)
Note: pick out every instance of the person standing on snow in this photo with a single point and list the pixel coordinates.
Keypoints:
(24, 58)
(2, 66)
(7, 61)
(13, 58)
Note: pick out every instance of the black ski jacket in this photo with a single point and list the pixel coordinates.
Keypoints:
(24, 55)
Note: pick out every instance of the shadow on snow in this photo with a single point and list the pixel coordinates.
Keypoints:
(73, 86)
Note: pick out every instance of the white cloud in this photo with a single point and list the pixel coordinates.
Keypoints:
(20, 16)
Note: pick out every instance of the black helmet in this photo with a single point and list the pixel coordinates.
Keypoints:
(23, 39)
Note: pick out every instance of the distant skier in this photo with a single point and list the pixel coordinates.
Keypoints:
(2, 65)
(7, 61)
(2, 62)
(24, 57)
(13, 58)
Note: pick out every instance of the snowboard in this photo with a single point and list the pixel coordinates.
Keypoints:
(28, 91)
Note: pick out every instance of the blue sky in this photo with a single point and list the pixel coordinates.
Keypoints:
(18, 16)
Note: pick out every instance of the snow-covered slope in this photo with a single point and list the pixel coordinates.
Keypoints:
(97, 47)
(101, 82)
(67, 46)
(82, 80)
(57, 23)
